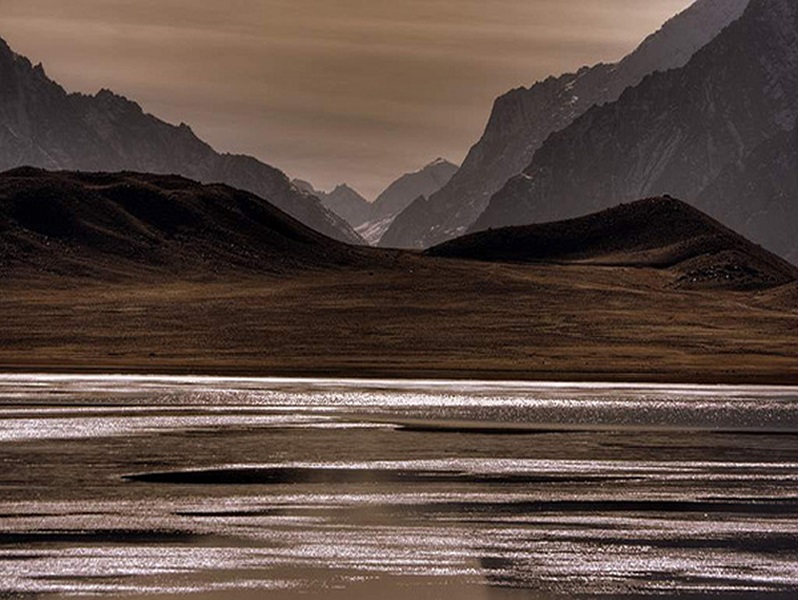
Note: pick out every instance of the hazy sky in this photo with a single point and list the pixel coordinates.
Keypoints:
(332, 91)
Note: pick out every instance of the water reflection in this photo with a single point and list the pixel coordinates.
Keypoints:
(279, 488)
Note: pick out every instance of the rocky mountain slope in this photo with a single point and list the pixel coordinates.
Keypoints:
(765, 183)
(663, 233)
(347, 203)
(41, 125)
(523, 118)
(371, 219)
(372, 231)
(129, 224)
(410, 186)
(717, 133)
(402, 192)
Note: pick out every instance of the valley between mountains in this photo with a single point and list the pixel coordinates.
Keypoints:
(631, 221)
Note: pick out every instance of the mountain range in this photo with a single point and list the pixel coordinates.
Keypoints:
(133, 225)
(372, 219)
(522, 119)
(719, 132)
(342, 200)
(704, 110)
(177, 258)
(41, 125)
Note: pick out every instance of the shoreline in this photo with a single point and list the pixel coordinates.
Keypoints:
(380, 373)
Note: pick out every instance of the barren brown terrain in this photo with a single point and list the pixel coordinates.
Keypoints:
(431, 317)
(223, 283)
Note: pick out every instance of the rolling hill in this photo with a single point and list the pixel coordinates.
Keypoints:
(149, 273)
(131, 225)
(661, 233)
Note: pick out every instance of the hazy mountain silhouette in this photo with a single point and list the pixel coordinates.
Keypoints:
(41, 125)
(371, 219)
(410, 186)
(656, 232)
(717, 133)
(402, 192)
(343, 201)
(124, 224)
(523, 118)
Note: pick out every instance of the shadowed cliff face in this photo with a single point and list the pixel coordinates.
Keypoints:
(43, 126)
(719, 133)
(523, 118)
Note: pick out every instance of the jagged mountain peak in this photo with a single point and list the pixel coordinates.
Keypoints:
(345, 202)
(713, 133)
(343, 188)
(107, 93)
(439, 161)
(523, 118)
(304, 186)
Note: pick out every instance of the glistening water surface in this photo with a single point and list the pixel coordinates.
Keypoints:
(283, 488)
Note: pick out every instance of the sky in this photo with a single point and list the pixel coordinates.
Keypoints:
(331, 91)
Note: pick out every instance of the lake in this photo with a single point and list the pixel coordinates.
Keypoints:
(204, 487)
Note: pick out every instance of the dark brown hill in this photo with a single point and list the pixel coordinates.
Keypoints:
(657, 232)
(121, 224)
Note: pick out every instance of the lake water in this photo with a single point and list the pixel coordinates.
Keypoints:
(281, 488)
